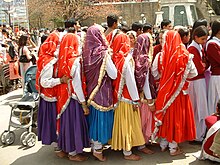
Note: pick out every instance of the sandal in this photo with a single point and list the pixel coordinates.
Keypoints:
(132, 157)
(61, 154)
(99, 156)
(145, 150)
(177, 152)
(78, 158)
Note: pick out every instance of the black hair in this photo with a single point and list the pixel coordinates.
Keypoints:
(4, 31)
(136, 26)
(197, 23)
(218, 104)
(71, 30)
(200, 22)
(200, 31)
(215, 28)
(70, 23)
(111, 19)
(165, 22)
(60, 29)
(23, 40)
(124, 29)
(183, 32)
(43, 38)
(84, 29)
(146, 27)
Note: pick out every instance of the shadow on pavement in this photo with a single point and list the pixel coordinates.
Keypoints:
(17, 142)
(45, 156)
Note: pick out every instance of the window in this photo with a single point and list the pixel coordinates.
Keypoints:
(165, 10)
(180, 17)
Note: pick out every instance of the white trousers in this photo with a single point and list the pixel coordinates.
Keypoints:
(213, 93)
(198, 96)
(172, 146)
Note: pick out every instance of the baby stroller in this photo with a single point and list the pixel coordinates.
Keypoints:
(23, 112)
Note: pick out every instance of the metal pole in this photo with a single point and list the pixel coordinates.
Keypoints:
(27, 16)
(9, 15)
(182, 19)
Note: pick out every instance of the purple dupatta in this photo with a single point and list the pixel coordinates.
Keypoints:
(141, 59)
(99, 84)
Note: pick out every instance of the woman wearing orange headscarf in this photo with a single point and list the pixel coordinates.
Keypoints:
(174, 119)
(71, 106)
(127, 123)
(46, 84)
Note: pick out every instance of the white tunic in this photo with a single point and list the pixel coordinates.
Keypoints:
(110, 68)
(76, 80)
(47, 80)
(130, 80)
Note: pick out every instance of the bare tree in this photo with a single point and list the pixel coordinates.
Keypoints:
(44, 12)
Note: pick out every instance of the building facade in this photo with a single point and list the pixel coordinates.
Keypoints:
(14, 12)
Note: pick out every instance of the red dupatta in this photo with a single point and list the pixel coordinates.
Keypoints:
(46, 55)
(175, 59)
(67, 55)
(120, 45)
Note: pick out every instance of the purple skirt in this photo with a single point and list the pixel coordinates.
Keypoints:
(73, 135)
(46, 122)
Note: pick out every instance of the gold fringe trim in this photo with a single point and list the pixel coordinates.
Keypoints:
(151, 48)
(101, 75)
(101, 108)
(122, 80)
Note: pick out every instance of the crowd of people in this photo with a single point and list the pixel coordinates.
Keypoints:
(14, 45)
(122, 86)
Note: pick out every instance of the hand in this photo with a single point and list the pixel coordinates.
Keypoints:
(86, 110)
(135, 107)
(64, 79)
(151, 105)
(152, 108)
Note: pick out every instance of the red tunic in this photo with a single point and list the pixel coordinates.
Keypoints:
(213, 53)
(157, 49)
(210, 121)
(46, 55)
(200, 66)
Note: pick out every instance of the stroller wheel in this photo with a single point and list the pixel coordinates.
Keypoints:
(9, 138)
(3, 137)
(23, 137)
(30, 139)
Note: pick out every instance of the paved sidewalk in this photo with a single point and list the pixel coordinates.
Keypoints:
(16, 154)
(11, 96)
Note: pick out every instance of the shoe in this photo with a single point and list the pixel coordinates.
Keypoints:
(177, 152)
(77, 158)
(61, 154)
(145, 150)
(132, 157)
(99, 156)
(194, 142)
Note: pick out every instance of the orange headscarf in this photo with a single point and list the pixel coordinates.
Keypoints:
(67, 55)
(120, 45)
(46, 54)
(174, 72)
